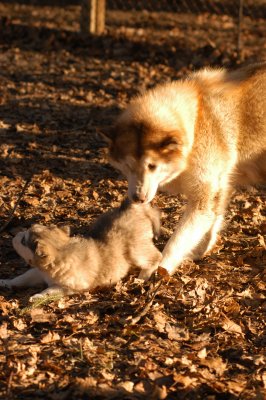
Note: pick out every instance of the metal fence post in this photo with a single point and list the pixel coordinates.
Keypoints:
(92, 18)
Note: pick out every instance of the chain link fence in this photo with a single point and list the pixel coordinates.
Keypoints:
(252, 8)
(205, 29)
(244, 20)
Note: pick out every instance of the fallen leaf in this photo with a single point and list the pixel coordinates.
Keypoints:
(202, 353)
(127, 385)
(50, 337)
(107, 375)
(215, 364)
(4, 334)
(262, 241)
(184, 380)
(160, 321)
(230, 326)
(162, 272)
(263, 378)
(236, 387)
(38, 315)
(92, 317)
(19, 324)
(95, 195)
(86, 383)
(176, 333)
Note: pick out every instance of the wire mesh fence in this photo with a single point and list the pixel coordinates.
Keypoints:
(209, 28)
(235, 16)
(252, 8)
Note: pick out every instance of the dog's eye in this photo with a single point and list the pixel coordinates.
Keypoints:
(169, 144)
(152, 167)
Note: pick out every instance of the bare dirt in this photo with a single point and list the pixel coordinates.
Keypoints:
(202, 335)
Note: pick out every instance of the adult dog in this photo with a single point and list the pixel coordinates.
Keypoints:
(200, 136)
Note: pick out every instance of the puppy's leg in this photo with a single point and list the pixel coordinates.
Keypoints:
(51, 291)
(198, 227)
(32, 277)
(150, 265)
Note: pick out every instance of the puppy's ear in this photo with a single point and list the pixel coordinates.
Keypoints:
(65, 229)
(44, 254)
(107, 133)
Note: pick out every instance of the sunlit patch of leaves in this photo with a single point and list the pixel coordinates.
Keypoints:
(199, 334)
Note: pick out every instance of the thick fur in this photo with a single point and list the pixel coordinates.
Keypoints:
(200, 136)
(119, 240)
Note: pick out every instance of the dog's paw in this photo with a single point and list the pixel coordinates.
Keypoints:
(5, 283)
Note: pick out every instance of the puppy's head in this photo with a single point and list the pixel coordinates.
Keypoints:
(151, 140)
(39, 245)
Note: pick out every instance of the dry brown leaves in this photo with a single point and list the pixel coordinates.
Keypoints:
(203, 334)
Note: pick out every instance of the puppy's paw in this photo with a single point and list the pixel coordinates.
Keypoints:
(145, 274)
(5, 283)
(37, 296)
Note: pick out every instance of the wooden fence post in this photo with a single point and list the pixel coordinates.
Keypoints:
(92, 18)
(239, 31)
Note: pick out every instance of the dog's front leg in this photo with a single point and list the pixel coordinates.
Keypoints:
(209, 239)
(195, 223)
(32, 277)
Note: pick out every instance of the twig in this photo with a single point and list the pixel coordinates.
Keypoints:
(145, 310)
(9, 384)
(15, 206)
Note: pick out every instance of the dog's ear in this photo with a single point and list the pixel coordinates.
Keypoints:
(107, 133)
(170, 143)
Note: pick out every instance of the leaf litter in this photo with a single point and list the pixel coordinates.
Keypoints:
(199, 334)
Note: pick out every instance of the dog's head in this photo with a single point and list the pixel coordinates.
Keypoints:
(39, 245)
(151, 140)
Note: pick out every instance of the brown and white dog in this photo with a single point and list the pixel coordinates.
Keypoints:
(119, 240)
(200, 136)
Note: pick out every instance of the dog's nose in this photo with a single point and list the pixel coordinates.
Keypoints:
(138, 198)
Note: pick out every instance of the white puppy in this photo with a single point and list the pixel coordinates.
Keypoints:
(119, 240)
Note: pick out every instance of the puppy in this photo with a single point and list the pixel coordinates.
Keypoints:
(119, 240)
(201, 136)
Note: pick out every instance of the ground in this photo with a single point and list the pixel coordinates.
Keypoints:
(197, 335)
